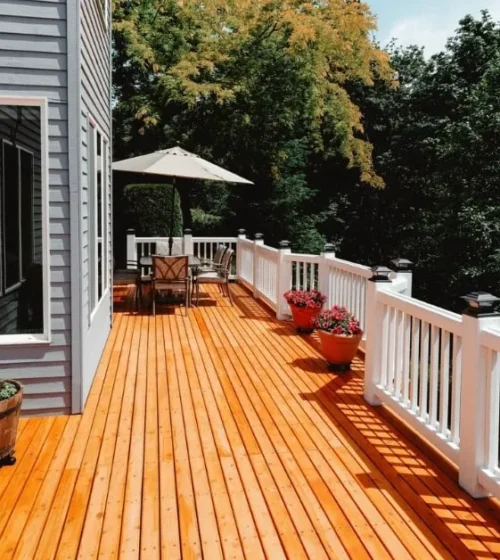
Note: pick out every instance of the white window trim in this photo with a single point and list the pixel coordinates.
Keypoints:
(46, 336)
(94, 128)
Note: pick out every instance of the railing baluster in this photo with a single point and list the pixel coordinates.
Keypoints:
(444, 385)
(424, 370)
(398, 355)
(384, 374)
(391, 341)
(415, 361)
(492, 408)
(456, 389)
(406, 359)
(434, 379)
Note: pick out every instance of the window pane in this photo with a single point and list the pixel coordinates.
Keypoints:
(12, 234)
(21, 238)
(27, 211)
(92, 217)
(100, 263)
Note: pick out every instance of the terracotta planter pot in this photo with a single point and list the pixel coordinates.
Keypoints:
(339, 349)
(303, 318)
(9, 419)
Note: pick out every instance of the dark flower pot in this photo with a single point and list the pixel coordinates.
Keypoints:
(339, 349)
(9, 419)
(303, 318)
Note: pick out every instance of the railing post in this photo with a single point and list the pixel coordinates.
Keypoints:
(239, 253)
(187, 242)
(258, 240)
(374, 333)
(284, 279)
(131, 249)
(324, 272)
(404, 269)
(479, 314)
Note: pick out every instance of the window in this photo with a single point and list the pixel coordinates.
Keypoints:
(98, 224)
(24, 283)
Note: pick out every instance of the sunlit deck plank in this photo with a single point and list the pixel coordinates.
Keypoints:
(93, 526)
(296, 428)
(222, 434)
(324, 438)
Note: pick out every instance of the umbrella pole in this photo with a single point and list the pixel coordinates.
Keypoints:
(172, 209)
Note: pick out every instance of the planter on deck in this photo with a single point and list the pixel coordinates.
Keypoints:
(339, 349)
(305, 306)
(340, 334)
(303, 318)
(10, 408)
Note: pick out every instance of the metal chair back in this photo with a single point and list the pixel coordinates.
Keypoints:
(226, 261)
(170, 269)
(219, 254)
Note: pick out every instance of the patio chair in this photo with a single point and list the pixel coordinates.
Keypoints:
(219, 276)
(170, 274)
(216, 263)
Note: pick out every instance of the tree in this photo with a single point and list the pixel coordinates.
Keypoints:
(436, 145)
(258, 86)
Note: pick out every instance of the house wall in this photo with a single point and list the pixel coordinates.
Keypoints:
(27, 136)
(33, 62)
(95, 105)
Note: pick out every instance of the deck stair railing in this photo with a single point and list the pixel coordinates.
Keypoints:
(438, 371)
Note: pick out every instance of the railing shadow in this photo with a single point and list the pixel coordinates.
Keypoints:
(419, 487)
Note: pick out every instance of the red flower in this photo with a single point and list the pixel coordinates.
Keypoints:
(338, 320)
(312, 299)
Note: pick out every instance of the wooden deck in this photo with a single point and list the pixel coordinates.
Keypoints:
(221, 435)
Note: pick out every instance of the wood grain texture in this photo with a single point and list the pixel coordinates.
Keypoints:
(221, 434)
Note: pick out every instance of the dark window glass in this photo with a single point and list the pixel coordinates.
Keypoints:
(27, 210)
(12, 216)
(21, 239)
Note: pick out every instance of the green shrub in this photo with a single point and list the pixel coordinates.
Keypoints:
(147, 209)
(7, 390)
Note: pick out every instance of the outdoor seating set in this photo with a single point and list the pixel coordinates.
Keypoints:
(171, 274)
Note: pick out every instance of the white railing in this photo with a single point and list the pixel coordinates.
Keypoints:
(266, 263)
(346, 286)
(421, 367)
(202, 247)
(304, 271)
(489, 476)
(206, 247)
(245, 262)
(437, 370)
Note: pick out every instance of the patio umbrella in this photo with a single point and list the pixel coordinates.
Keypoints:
(177, 163)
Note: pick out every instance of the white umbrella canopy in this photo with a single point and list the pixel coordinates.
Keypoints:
(177, 162)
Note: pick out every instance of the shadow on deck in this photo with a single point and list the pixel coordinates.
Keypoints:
(221, 434)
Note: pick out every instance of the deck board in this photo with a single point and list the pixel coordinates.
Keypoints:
(221, 434)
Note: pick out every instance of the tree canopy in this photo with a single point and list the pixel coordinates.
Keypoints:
(296, 96)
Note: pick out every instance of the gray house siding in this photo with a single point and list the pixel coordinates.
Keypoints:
(27, 137)
(95, 105)
(33, 62)
(60, 49)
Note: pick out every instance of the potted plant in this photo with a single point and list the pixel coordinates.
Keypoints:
(340, 334)
(305, 305)
(11, 396)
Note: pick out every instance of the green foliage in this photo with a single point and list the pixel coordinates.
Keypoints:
(437, 148)
(149, 208)
(182, 63)
(7, 390)
(264, 89)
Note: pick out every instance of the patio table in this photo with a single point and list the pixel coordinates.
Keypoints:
(147, 261)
